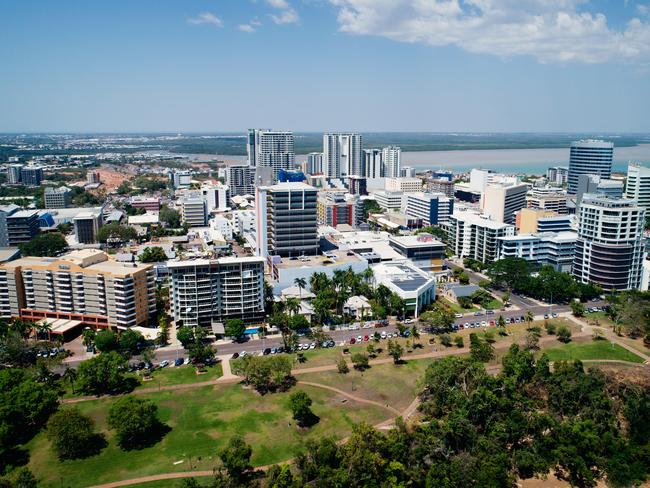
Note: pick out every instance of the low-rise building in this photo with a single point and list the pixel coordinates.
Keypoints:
(422, 249)
(17, 226)
(87, 225)
(150, 204)
(416, 287)
(336, 208)
(531, 220)
(194, 210)
(390, 200)
(404, 185)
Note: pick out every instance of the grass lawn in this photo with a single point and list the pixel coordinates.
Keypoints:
(179, 375)
(599, 318)
(455, 307)
(494, 304)
(591, 350)
(202, 421)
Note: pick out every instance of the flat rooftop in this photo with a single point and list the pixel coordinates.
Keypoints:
(419, 240)
(330, 258)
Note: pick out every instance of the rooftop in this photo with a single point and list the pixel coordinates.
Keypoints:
(478, 219)
(330, 258)
(419, 240)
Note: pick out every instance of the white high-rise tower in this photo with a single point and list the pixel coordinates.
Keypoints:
(392, 158)
(342, 155)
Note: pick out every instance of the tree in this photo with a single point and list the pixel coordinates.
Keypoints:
(370, 206)
(301, 283)
(73, 435)
(551, 328)
(342, 366)
(360, 361)
(395, 350)
(371, 350)
(293, 305)
(529, 319)
(509, 273)
(236, 458)
(135, 422)
(265, 373)
(463, 279)
(152, 254)
(235, 328)
(577, 308)
(88, 337)
(163, 333)
(300, 405)
(200, 353)
(532, 339)
(185, 335)
(298, 322)
(116, 232)
(564, 334)
(131, 341)
(170, 217)
(458, 340)
(106, 340)
(445, 340)
(103, 374)
(51, 244)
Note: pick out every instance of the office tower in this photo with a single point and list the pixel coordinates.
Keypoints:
(596, 184)
(194, 211)
(430, 208)
(475, 236)
(391, 156)
(204, 292)
(373, 166)
(609, 250)
(286, 220)
(180, 179)
(31, 175)
(240, 180)
(56, 197)
(589, 157)
(479, 179)
(216, 196)
(87, 225)
(270, 149)
(13, 173)
(548, 198)
(558, 175)
(389, 200)
(342, 155)
(555, 249)
(17, 225)
(92, 178)
(337, 208)
(638, 184)
(82, 287)
(407, 172)
(406, 185)
(501, 201)
(314, 163)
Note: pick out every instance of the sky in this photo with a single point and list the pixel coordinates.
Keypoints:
(316, 65)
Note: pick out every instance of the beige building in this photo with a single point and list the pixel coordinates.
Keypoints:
(404, 185)
(501, 201)
(533, 220)
(85, 287)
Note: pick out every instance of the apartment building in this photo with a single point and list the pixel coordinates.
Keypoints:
(502, 200)
(391, 157)
(470, 235)
(337, 208)
(638, 184)
(430, 208)
(555, 249)
(31, 175)
(270, 149)
(84, 286)
(373, 166)
(204, 292)
(239, 179)
(342, 154)
(194, 211)
(548, 198)
(216, 196)
(533, 220)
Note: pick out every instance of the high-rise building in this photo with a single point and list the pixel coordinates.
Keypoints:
(337, 208)
(441, 185)
(286, 220)
(270, 149)
(31, 175)
(17, 226)
(373, 167)
(93, 178)
(216, 196)
(430, 208)
(13, 173)
(342, 154)
(204, 292)
(609, 249)
(589, 157)
(56, 197)
(83, 287)
(392, 159)
(194, 211)
(239, 179)
(358, 185)
(502, 201)
(314, 164)
(407, 172)
(87, 225)
(180, 179)
(596, 184)
(638, 184)
(548, 198)
(558, 175)
(475, 236)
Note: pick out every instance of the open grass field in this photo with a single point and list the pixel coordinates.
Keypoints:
(593, 350)
(181, 375)
(202, 421)
(455, 307)
(598, 318)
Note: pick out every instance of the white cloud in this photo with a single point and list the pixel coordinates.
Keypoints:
(286, 15)
(643, 9)
(246, 28)
(206, 18)
(549, 30)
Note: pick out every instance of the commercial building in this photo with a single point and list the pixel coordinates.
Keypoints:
(638, 184)
(609, 249)
(405, 185)
(239, 179)
(216, 196)
(589, 184)
(391, 157)
(553, 199)
(150, 204)
(358, 185)
(591, 157)
(286, 220)
(533, 220)
(558, 175)
(80, 288)
(430, 208)
(373, 166)
(470, 235)
(555, 249)
(390, 200)
(13, 173)
(479, 179)
(441, 185)
(57, 197)
(87, 224)
(180, 179)
(501, 200)
(31, 175)
(314, 164)
(194, 211)
(204, 292)
(416, 287)
(17, 225)
(337, 208)
(425, 251)
(270, 149)
(342, 154)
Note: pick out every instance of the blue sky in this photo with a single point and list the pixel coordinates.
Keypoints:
(367, 65)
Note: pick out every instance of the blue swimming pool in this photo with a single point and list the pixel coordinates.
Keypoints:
(251, 331)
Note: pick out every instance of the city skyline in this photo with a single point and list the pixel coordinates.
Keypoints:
(329, 65)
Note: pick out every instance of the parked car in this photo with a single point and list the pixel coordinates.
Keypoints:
(365, 338)
(554, 315)
(458, 315)
(352, 340)
(384, 335)
(179, 362)
(490, 312)
(476, 314)
(267, 351)
(164, 363)
(546, 316)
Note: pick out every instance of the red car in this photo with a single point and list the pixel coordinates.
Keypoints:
(365, 338)
(352, 340)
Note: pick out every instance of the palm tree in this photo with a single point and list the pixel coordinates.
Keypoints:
(529, 318)
(301, 283)
(339, 277)
(70, 375)
(293, 305)
(43, 328)
(368, 275)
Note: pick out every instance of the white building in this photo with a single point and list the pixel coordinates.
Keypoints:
(638, 184)
(392, 159)
(56, 197)
(13, 173)
(244, 221)
(217, 197)
(431, 208)
(556, 249)
(470, 235)
(416, 287)
(270, 149)
(373, 166)
(222, 225)
(609, 249)
(314, 164)
(502, 200)
(181, 179)
(407, 172)
(194, 210)
(405, 185)
(390, 200)
(342, 154)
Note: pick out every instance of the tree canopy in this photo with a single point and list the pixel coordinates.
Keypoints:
(153, 254)
(51, 244)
